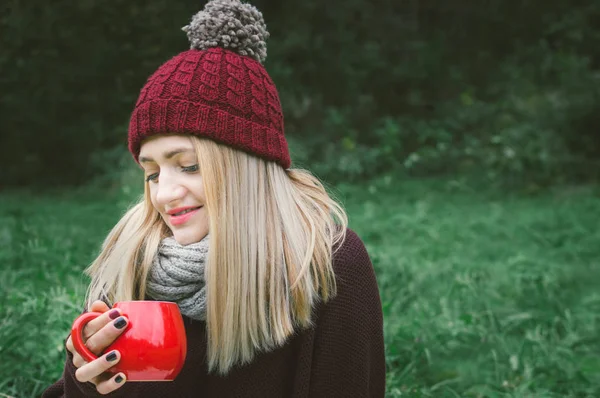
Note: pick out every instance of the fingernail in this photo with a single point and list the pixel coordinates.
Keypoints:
(118, 379)
(120, 323)
(111, 357)
(114, 314)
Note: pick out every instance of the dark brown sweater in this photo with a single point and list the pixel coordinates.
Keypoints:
(342, 356)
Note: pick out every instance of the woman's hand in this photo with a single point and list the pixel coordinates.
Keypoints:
(97, 335)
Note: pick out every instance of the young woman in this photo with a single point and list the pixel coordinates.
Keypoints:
(278, 297)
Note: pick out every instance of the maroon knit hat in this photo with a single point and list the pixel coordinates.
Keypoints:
(218, 89)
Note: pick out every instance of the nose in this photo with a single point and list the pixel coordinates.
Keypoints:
(168, 190)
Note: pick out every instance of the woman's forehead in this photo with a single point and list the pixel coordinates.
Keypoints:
(160, 146)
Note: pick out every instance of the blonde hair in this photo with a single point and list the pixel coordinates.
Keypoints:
(273, 234)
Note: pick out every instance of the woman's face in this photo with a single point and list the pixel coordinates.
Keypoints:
(176, 188)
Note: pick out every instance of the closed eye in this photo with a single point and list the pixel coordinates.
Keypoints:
(152, 177)
(190, 169)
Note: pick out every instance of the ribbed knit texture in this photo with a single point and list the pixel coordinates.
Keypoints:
(177, 275)
(342, 356)
(213, 93)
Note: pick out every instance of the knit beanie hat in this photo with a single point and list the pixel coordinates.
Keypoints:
(218, 89)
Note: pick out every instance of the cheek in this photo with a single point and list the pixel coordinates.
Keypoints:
(199, 191)
(152, 193)
(202, 195)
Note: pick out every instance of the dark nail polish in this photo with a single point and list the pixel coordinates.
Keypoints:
(118, 379)
(111, 357)
(114, 314)
(120, 323)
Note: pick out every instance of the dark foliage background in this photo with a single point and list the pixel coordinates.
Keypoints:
(505, 88)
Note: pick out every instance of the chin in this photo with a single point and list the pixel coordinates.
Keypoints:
(186, 238)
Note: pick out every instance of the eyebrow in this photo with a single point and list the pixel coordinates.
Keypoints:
(168, 155)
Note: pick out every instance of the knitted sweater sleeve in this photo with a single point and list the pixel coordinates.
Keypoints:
(348, 356)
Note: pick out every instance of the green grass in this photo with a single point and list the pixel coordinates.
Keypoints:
(485, 294)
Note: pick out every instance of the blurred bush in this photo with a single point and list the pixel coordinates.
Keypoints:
(516, 130)
(504, 88)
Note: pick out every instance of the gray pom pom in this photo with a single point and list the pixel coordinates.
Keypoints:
(229, 24)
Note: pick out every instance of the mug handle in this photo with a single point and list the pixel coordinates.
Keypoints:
(77, 335)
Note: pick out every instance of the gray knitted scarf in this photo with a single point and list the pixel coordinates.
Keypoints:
(177, 274)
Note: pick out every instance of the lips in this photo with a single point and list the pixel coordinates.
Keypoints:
(185, 211)
(183, 216)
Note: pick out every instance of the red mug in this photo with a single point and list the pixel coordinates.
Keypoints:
(152, 347)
